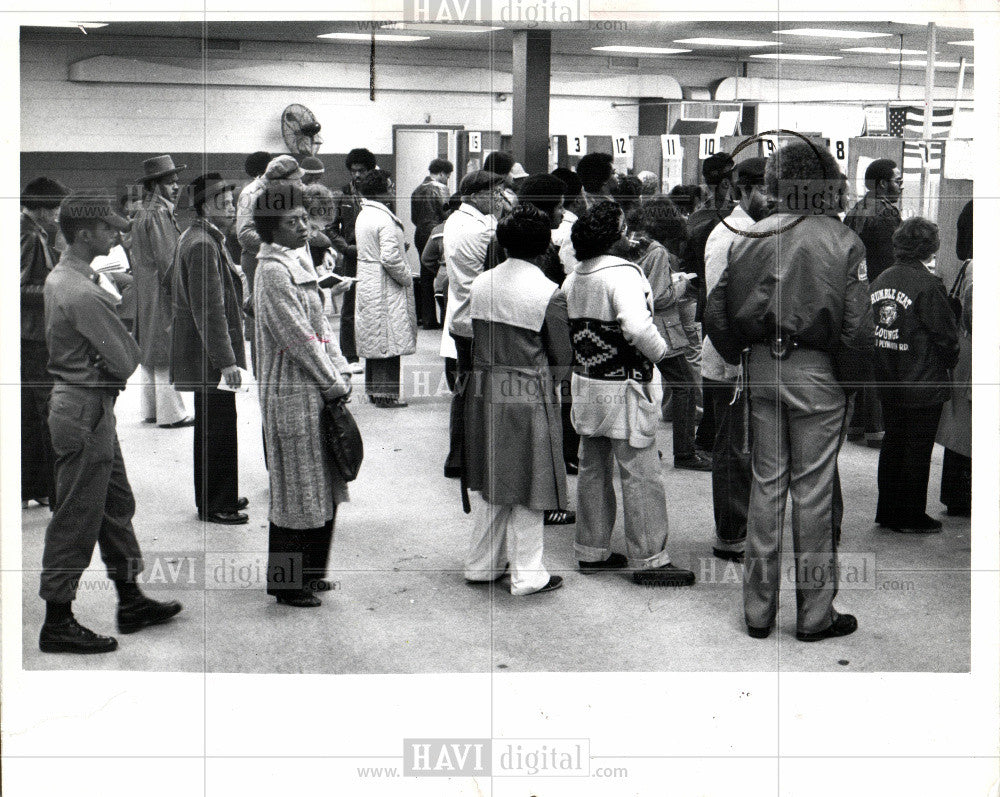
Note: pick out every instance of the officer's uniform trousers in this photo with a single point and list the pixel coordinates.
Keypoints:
(94, 502)
(798, 412)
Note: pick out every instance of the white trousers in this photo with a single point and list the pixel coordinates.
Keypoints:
(158, 398)
(502, 533)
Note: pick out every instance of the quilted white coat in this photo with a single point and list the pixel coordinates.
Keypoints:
(385, 319)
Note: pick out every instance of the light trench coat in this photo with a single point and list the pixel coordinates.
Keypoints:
(385, 316)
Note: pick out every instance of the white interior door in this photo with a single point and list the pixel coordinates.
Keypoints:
(415, 148)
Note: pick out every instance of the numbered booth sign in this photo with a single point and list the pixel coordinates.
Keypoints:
(708, 145)
(671, 146)
(838, 146)
(622, 150)
(576, 144)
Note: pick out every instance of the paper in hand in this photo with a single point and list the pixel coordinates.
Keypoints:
(246, 379)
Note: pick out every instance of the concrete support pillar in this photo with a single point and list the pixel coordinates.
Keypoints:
(532, 73)
(652, 116)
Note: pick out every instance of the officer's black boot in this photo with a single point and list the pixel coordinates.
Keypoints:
(136, 611)
(61, 633)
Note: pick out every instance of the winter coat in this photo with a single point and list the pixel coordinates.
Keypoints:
(955, 430)
(806, 283)
(521, 351)
(875, 219)
(208, 317)
(385, 320)
(154, 241)
(658, 265)
(615, 343)
(37, 260)
(299, 365)
(916, 336)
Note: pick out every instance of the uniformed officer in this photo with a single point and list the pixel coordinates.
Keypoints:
(91, 355)
(796, 294)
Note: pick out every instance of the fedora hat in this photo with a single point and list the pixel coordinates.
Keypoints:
(206, 186)
(160, 166)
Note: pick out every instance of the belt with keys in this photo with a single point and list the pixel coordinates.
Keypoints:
(781, 347)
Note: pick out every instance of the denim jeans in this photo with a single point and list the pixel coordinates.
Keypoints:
(644, 502)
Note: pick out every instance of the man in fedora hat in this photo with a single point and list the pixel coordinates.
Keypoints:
(91, 356)
(207, 346)
(154, 239)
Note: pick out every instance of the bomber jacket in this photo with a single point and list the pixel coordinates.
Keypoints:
(806, 283)
(916, 335)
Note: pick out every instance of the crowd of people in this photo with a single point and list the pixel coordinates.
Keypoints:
(578, 310)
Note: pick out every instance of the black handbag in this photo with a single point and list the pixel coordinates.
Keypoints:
(342, 438)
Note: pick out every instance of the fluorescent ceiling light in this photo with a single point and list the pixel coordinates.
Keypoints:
(439, 27)
(882, 50)
(66, 24)
(969, 43)
(621, 48)
(822, 33)
(937, 64)
(797, 57)
(379, 37)
(726, 42)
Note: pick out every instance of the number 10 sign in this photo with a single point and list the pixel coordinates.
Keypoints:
(708, 145)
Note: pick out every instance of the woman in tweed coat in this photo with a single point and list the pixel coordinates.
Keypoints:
(299, 366)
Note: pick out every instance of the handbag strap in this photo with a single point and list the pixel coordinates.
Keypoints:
(959, 281)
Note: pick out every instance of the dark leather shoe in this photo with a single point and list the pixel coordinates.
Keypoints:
(616, 561)
(225, 518)
(728, 556)
(388, 403)
(664, 576)
(551, 585)
(178, 424)
(71, 637)
(921, 525)
(694, 462)
(759, 633)
(452, 471)
(842, 625)
(301, 598)
(145, 611)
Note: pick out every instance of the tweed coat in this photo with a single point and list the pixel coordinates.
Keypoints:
(385, 316)
(154, 239)
(298, 364)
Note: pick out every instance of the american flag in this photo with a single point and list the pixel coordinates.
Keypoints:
(919, 194)
(916, 153)
(908, 121)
